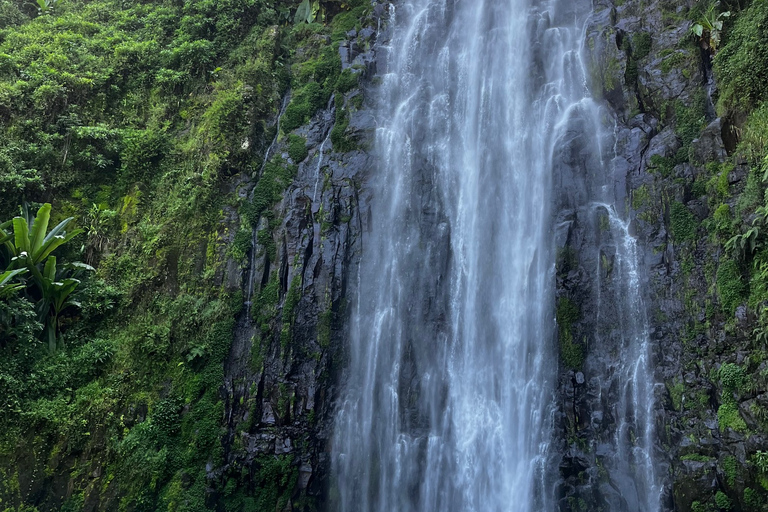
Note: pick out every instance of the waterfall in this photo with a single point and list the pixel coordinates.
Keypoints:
(630, 463)
(448, 400)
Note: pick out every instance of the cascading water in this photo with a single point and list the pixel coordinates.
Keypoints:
(630, 464)
(449, 402)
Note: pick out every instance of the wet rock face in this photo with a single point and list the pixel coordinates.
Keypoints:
(640, 68)
(281, 376)
(653, 81)
(280, 394)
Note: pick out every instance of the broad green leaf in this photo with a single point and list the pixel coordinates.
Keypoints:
(21, 236)
(60, 227)
(56, 242)
(302, 12)
(6, 276)
(49, 272)
(40, 227)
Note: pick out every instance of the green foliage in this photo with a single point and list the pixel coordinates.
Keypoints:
(754, 138)
(19, 324)
(697, 506)
(722, 501)
(682, 223)
(275, 479)
(306, 101)
(289, 306)
(571, 352)
(28, 250)
(664, 166)
(760, 460)
(269, 189)
(297, 148)
(347, 81)
(676, 389)
(722, 218)
(690, 119)
(341, 141)
(732, 377)
(730, 468)
(696, 457)
(742, 64)
(730, 286)
(641, 45)
(308, 11)
(728, 416)
(752, 499)
(708, 28)
(133, 117)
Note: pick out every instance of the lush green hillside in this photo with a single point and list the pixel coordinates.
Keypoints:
(138, 119)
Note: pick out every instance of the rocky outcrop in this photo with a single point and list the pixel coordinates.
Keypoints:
(657, 84)
(281, 374)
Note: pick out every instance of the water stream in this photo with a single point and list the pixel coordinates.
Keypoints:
(449, 396)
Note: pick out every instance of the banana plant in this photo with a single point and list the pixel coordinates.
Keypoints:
(31, 243)
(708, 28)
(7, 286)
(57, 295)
(307, 12)
(28, 248)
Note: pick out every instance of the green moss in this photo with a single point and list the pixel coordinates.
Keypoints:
(722, 218)
(571, 353)
(641, 45)
(730, 286)
(289, 306)
(722, 501)
(696, 457)
(664, 166)
(269, 189)
(682, 223)
(752, 499)
(241, 244)
(730, 468)
(264, 308)
(640, 197)
(728, 416)
(676, 389)
(341, 141)
(690, 119)
(344, 22)
(324, 328)
(347, 81)
(674, 61)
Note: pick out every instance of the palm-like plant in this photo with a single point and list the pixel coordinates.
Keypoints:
(7, 286)
(28, 248)
(57, 294)
(31, 243)
(709, 27)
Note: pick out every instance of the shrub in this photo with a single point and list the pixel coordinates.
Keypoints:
(297, 148)
(730, 286)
